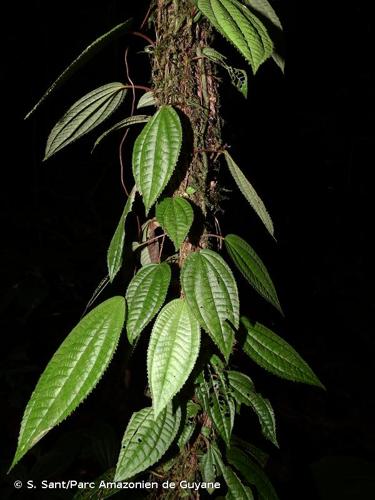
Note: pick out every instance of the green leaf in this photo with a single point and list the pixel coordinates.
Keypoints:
(236, 489)
(241, 385)
(98, 492)
(83, 58)
(130, 120)
(252, 268)
(175, 216)
(259, 455)
(249, 193)
(252, 473)
(208, 469)
(272, 353)
(265, 413)
(145, 295)
(116, 247)
(72, 373)
(147, 99)
(146, 440)
(211, 293)
(85, 114)
(172, 352)
(273, 25)
(218, 405)
(240, 27)
(155, 154)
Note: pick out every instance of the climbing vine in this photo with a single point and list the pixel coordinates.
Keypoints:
(183, 295)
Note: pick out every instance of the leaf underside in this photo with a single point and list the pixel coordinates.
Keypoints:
(116, 247)
(126, 122)
(84, 115)
(83, 58)
(72, 373)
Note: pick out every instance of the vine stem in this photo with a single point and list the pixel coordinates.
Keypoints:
(209, 235)
(147, 242)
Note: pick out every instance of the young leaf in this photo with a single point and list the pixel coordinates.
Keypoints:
(252, 268)
(211, 293)
(130, 120)
(240, 27)
(72, 373)
(85, 114)
(238, 76)
(272, 353)
(249, 193)
(147, 99)
(145, 296)
(175, 216)
(252, 473)
(146, 440)
(273, 25)
(172, 352)
(83, 58)
(116, 247)
(155, 154)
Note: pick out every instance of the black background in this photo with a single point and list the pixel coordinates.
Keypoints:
(306, 141)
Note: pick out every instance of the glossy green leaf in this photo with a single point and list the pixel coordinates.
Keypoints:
(211, 293)
(85, 114)
(72, 373)
(252, 473)
(218, 404)
(130, 120)
(175, 216)
(249, 193)
(145, 295)
(172, 352)
(274, 354)
(273, 25)
(83, 58)
(146, 440)
(240, 27)
(155, 154)
(116, 247)
(147, 99)
(252, 268)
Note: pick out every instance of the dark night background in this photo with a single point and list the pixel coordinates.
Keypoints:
(305, 140)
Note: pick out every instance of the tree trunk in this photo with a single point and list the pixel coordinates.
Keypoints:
(182, 77)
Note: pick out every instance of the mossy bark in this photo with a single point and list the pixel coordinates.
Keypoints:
(182, 77)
